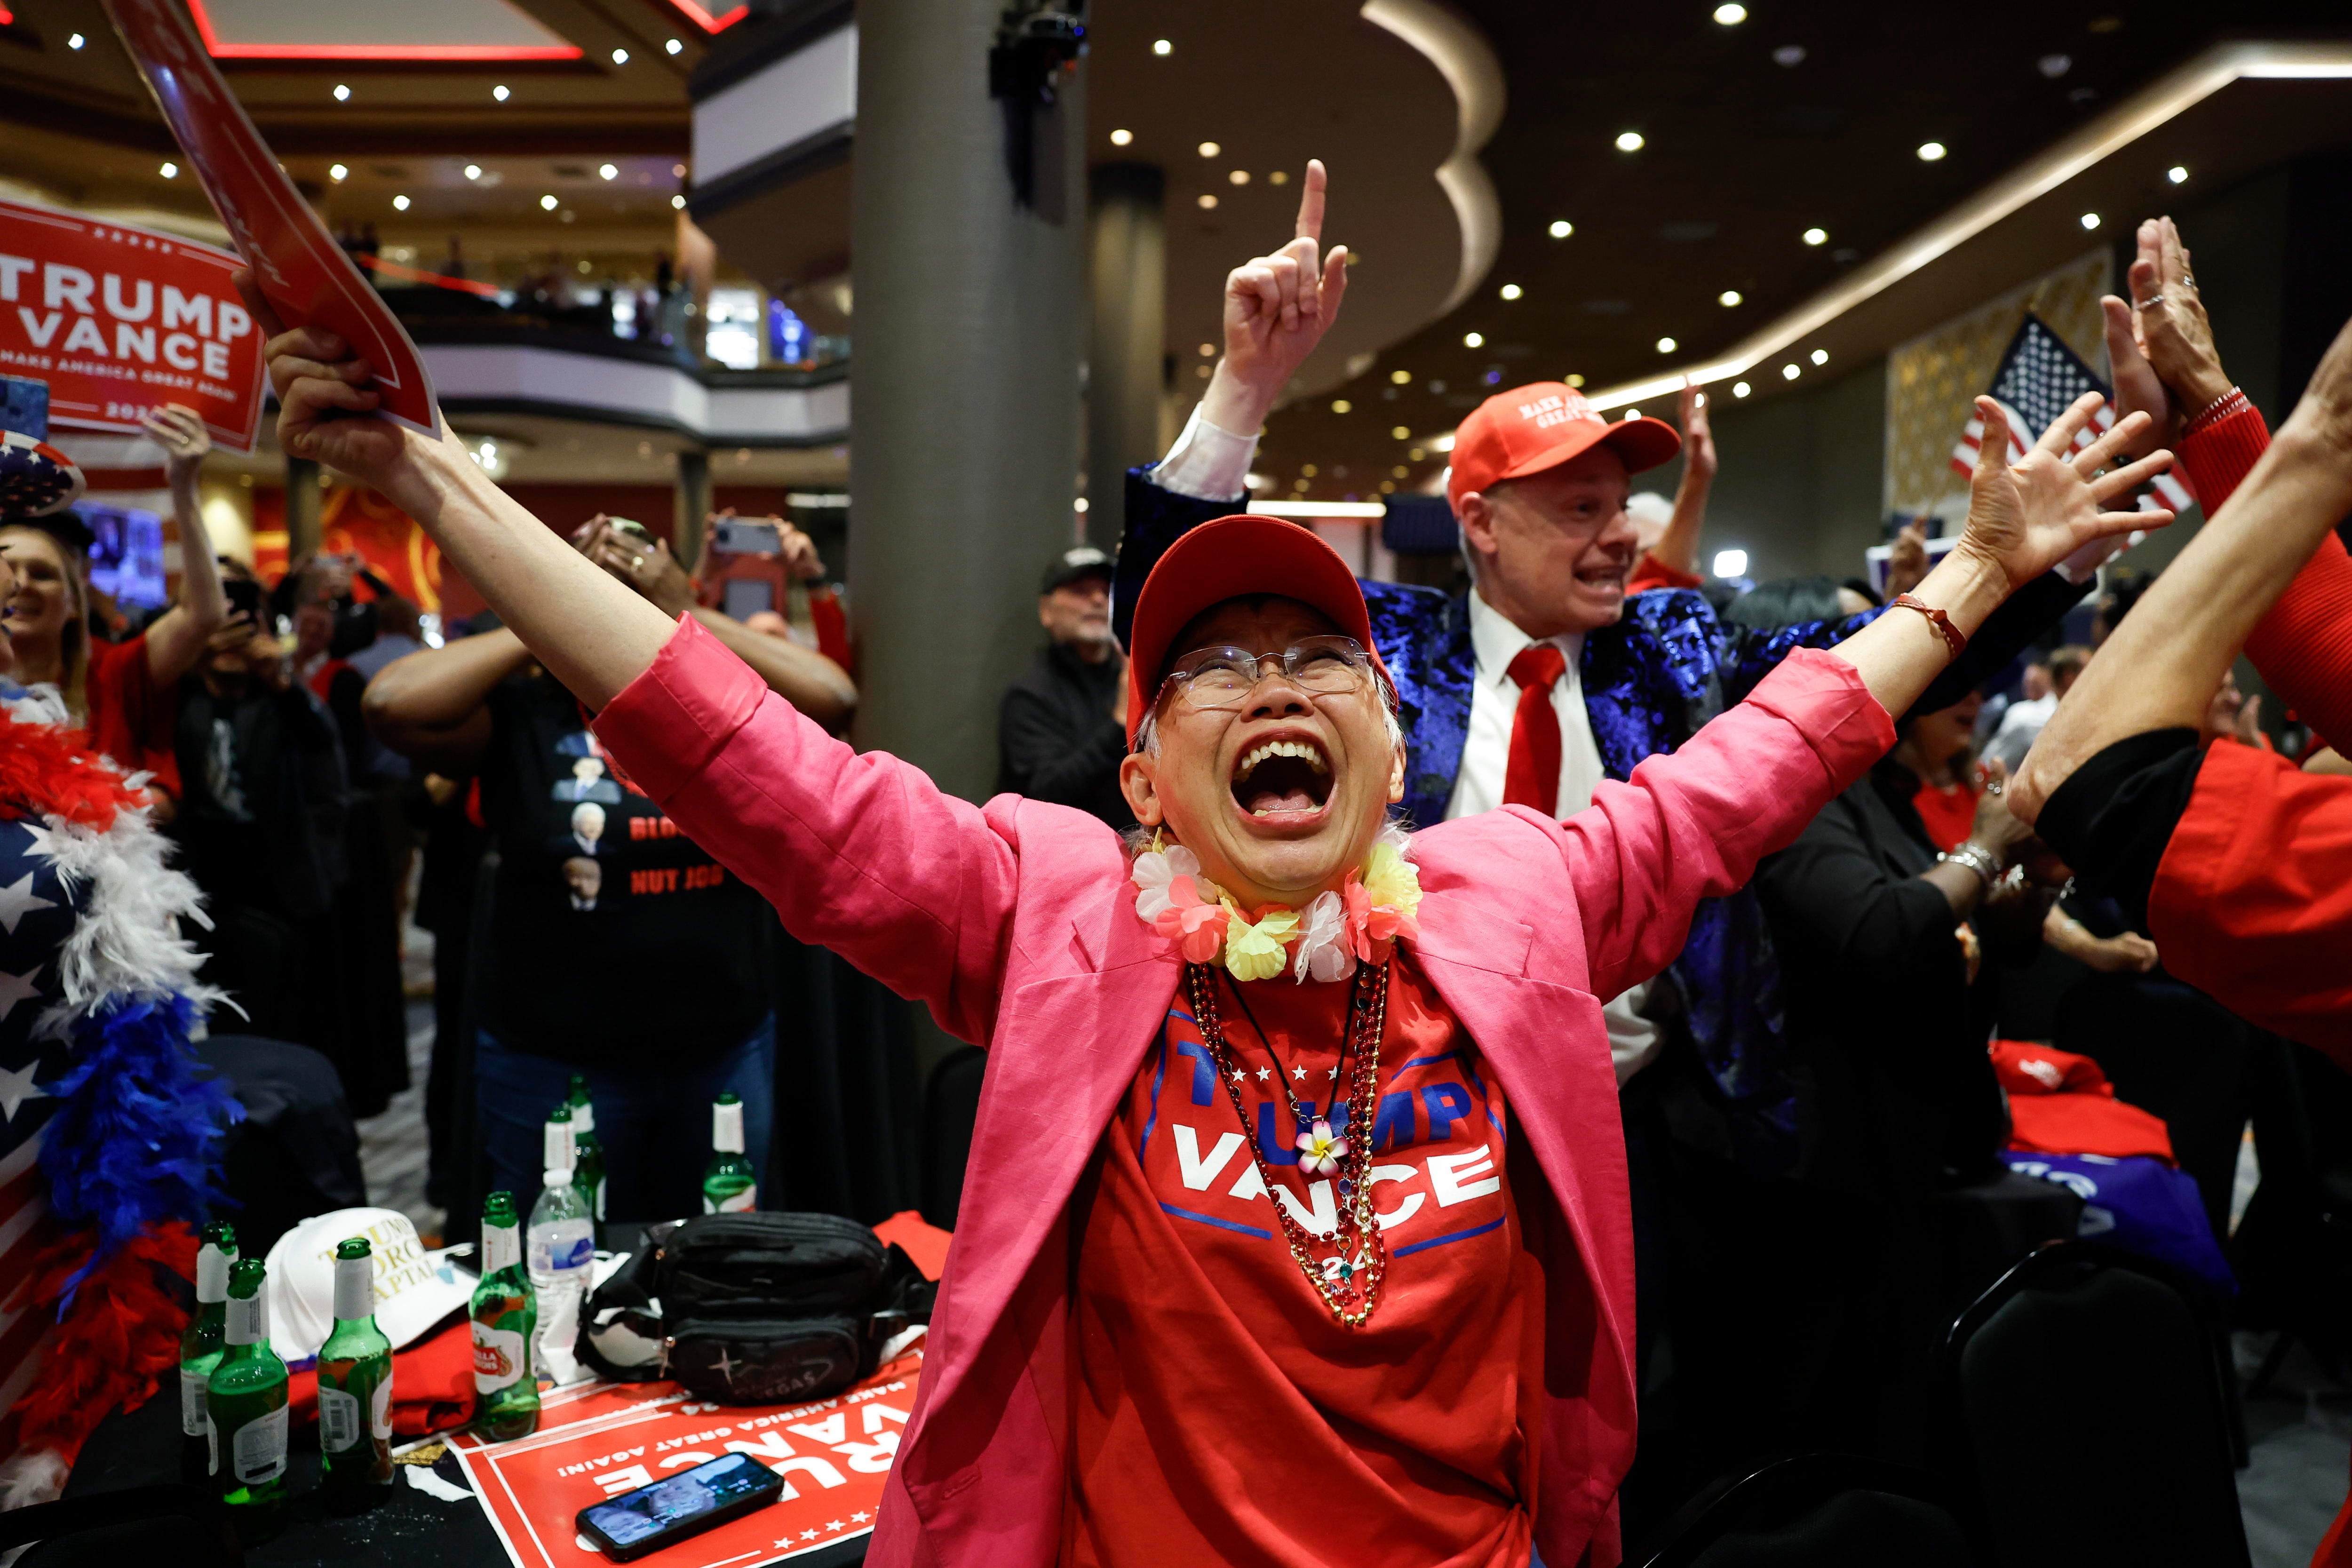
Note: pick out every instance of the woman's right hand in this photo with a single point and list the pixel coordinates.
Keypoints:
(323, 397)
(2160, 342)
(1997, 828)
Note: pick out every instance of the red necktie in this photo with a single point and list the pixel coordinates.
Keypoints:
(1532, 776)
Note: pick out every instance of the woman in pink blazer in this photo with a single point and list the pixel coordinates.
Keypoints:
(1174, 1326)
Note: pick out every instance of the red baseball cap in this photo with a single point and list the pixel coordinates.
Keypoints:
(1542, 426)
(1227, 559)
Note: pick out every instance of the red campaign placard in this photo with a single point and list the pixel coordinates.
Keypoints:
(118, 321)
(301, 272)
(601, 1440)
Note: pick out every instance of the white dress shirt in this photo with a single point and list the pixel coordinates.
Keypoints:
(1211, 463)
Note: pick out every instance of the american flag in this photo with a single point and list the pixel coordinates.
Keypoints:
(2039, 378)
(35, 916)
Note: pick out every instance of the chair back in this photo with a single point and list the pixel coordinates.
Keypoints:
(1825, 1510)
(2090, 1418)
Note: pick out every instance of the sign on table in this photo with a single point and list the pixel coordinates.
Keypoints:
(119, 320)
(600, 1440)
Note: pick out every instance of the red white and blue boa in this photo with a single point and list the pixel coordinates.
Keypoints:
(130, 1153)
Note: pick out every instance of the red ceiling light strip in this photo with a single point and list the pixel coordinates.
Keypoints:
(226, 51)
(705, 21)
(399, 274)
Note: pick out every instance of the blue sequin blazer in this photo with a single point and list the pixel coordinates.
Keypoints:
(1650, 681)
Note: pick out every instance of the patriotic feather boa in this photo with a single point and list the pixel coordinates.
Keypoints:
(130, 1154)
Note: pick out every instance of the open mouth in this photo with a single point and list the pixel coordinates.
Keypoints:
(1605, 578)
(1281, 779)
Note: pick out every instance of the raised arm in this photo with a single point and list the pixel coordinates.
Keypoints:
(1677, 548)
(432, 707)
(177, 638)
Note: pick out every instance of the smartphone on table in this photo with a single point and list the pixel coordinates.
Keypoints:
(650, 1518)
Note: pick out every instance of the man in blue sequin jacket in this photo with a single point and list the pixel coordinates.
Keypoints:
(1538, 486)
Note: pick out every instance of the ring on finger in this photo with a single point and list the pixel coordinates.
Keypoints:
(637, 561)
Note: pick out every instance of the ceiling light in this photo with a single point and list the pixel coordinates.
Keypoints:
(679, 201)
(1789, 54)
(337, 172)
(1740, 389)
(500, 92)
(1576, 381)
(1931, 152)
(1401, 433)
(76, 42)
(678, 169)
(1239, 176)
(609, 171)
(170, 171)
(1401, 377)
(1282, 177)
(1632, 414)
(1729, 298)
(1308, 469)
(1731, 563)
(1399, 471)
(2090, 220)
(1208, 351)
(400, 204)
(343, 93)
(1731, 15)
(1207, 200)
(1561, 228)
(1816, 236)
(620, 56)
(1209, 149)
(1162, 47)
(1821, 356)
(2054, 66)
(1474, 339)
(1121, 138)
(547, 204)
(1509, 291)
(473, 171)
(1789, 373)
(2177, 175)
(1667, 345)
(1341, 405)
(1629, 140)
(674, 46)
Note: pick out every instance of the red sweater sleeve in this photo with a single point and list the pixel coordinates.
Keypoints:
(2303, 646)
(1651, 573)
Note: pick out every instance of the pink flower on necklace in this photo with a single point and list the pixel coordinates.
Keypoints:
(1321, 1150)
(1199, 927)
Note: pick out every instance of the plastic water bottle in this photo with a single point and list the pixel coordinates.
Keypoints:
(561, 1247)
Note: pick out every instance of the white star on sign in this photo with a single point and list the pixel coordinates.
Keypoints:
(1298, 1072)
(1263, 1073)
(808, 1535)
(17, 902)
(16, 1088)
(15, 988)
(836, 1525)
(861, 1518)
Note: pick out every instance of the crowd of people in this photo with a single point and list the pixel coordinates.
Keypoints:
(1477, 1026)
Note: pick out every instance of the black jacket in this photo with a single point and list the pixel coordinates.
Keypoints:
(1055, 739)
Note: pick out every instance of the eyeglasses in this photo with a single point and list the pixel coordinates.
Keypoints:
(1224, 675)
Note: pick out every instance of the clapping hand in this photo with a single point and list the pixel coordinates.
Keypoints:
(1698, 437)
(1277, 308)
(2159, 343)
(2025, 517)
(181, 433)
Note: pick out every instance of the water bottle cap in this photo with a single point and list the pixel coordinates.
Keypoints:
(555, 1178)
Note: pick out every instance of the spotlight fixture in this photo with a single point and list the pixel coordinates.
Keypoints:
(1162, 47)
(400, 204)
(608, 172)
(473, 171)
(674, 48)
(1509, 291)
(1667, 345)
(1821, 356)
(2090, 220)
(1631, 414)
(337, 172)
(1931, 152)
(1561, 228)
(1629, 140)
(76, 41)
(170, 171)
(1574, 380)
(679, 201)
(1731, 563)
(620, 56)
(547, 204)
(500, 92)
(1401, 377)
(1740, 389)
(1729, 298)
(1789, 373)
(1341, 405)
(1207, 201)
(1816, 236)
(1282, 177)
(1209, 149)
(1730, 15)
(1121, 138)
(1238, 176)
(1791, 54)
(1474, 339)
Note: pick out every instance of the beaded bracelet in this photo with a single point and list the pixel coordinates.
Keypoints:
(2233, 400)
(1976, 858)
(1954, 639)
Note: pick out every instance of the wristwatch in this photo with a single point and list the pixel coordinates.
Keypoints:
(1976, 858)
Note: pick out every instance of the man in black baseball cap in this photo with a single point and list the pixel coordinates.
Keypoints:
(1062, 728)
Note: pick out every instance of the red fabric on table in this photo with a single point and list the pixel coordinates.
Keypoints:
(132, 717)
(2252, 901)
(1220, 1415)
(2061, 1103)
(2304, 645)
(1650, 574)
(924, 1243)
(432, 1385)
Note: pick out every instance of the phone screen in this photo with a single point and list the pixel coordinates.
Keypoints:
(650, 1516)
(737, 538)
(243, 596)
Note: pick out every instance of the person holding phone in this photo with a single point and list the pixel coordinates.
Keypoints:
(619, 949)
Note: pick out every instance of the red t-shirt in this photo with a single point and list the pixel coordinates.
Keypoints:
(130, 718)
(1947, 811)
(1219, 1414)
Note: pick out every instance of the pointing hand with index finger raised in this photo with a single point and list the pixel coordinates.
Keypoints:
(1276, 310)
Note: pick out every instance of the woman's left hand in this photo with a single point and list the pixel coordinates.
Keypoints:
(647, 566)
(2025, 518)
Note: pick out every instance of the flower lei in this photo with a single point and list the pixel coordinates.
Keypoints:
(1355, 924)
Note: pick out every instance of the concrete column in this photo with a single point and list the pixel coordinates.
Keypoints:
(302, 503)
(1127, 338)
(693, 506)
(964, 383)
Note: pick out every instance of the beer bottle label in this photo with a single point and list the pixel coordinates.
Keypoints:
(380, 1406)
(212, 1447)
(192, 1386)
(500, 1357)
(339, 1420)
(743, 1202)
(248, 1319)
(258, 1451)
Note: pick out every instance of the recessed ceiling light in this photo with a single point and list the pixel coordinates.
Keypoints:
(679, 201)
(1632, 414)
(473, 171)
(1162, 47)
(1474, 339)
(1729, 298)
(400, 204)
(1207, 200)
(1209, 149)
(343, 93)
(2054, 66)
(1341, 405)
(1789, 373)
(337, 172)
(76, 42)
(170, 171)
(1239, 176)
(1282, 177)
(620, 56)
(1208, 351)
(1731, 15)
(1821, 356)
(1740, 389)
(1816, 236)
(1576, 381)
(1401, 433)
(2090, 220)
(1667, 345)
(547, 204)
(678, 170)
(500, 92)
(1509, 291)
(1401, 377)
(2177, 175)
(1629, 140)
(1121, 138)
(1561, 228)
(674, 48)
(608, 172)
(1931, 152)
(1731, 563)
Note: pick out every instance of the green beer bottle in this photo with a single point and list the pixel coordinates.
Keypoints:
(355, 1385)
(587, 1155)
(200, 1346)
(504, 1312)
(244, 1401)
(729, 1183)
